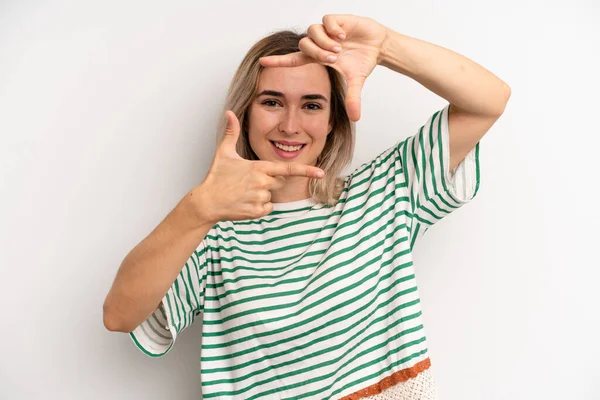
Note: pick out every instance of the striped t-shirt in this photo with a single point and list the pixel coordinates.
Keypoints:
(315, 301)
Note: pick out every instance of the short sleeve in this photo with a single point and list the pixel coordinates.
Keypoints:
(181, 304)
(434, 190)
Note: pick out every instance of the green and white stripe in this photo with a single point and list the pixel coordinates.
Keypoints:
(312, 301)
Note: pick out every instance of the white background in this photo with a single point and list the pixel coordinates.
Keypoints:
(108, 113)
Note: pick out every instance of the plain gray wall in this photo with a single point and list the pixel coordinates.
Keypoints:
(107, 118)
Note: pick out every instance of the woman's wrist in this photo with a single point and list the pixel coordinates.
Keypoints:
(196, 208)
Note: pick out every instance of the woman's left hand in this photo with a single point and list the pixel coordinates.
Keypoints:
(360, 52)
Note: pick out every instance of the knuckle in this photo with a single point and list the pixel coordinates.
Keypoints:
(257, 183)
(267, 208)
(307, 43)
(258, 210)
(303, 45)
(263, 182)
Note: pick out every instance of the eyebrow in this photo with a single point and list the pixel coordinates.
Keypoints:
(315, 96)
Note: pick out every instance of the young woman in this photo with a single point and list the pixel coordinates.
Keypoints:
(304, 282)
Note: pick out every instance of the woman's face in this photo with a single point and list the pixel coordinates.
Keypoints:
(292, 108)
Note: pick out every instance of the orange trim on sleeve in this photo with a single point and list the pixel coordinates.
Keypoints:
(395, 378)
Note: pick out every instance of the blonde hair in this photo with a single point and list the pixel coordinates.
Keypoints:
(339, 146)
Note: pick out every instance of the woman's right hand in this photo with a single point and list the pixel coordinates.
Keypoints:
(238, 189)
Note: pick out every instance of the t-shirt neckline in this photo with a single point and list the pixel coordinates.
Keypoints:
(293, 205)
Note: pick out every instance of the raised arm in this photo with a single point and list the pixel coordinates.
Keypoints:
(354, 45)
(477, 97)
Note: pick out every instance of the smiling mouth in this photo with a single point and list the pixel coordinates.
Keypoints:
(289, 154)
(286, 148)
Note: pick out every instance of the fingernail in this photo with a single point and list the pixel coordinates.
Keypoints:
(331, 59)
(342, 36)
(337, 49)
(320, 174)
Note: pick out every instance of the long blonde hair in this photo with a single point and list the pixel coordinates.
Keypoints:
(339, 146)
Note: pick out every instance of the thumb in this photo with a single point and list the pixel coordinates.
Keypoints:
(231, 134)
(355, 86)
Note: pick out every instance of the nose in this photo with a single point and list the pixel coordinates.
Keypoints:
(290, 122)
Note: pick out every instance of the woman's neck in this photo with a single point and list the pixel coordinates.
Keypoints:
(295, 189)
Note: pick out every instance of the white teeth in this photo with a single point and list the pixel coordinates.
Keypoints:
(287, 148)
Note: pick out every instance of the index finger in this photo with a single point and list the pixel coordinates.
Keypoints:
(296, 59)
(294, 169)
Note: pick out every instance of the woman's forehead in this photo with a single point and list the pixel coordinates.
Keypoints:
(297, 81)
